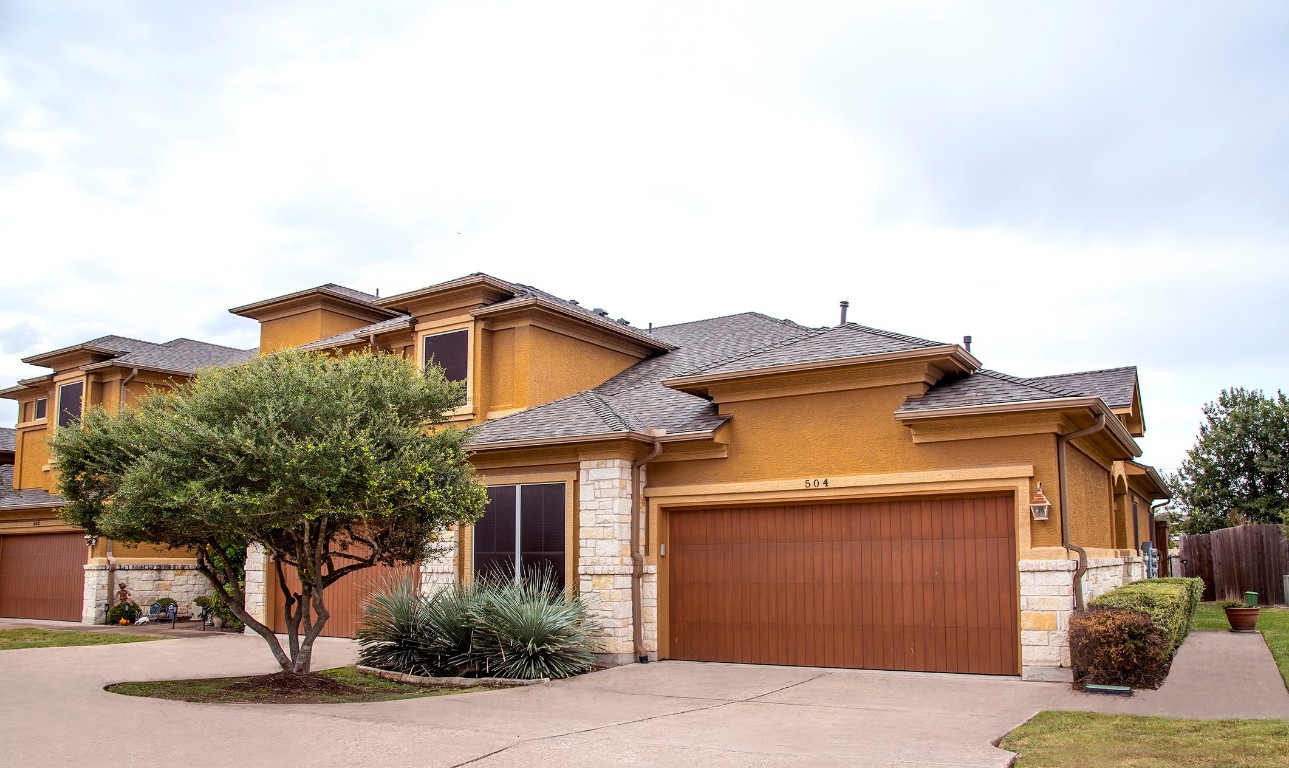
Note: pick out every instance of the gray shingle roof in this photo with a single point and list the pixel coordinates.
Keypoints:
(358, 334)
(820, 344)
(8, 439)
(1116, 386)
(32, 497)
(636, 400)
(179, 356)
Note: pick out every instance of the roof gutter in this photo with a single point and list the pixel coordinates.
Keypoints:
(638, 554)
(1064, 495)
(965, 361)
(592, 438)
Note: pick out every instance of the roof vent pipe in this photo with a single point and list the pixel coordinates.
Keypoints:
(966, 342)
(844, 306)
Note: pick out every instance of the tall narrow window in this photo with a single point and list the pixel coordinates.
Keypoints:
(522, 530)
(69, 402)
(41, 406)
(452, 353)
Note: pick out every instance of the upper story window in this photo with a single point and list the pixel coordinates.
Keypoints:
(69, 402)
(41, 406)
(451, 351)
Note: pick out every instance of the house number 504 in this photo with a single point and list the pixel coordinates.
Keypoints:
(817, 483)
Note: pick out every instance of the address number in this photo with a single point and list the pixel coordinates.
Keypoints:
(817, 483)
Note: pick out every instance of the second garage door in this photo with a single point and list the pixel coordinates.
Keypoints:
(927, 585)
(42, 576)
(344, 599)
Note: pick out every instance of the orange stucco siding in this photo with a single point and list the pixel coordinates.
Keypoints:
(560, 365)
(291, 331)
(1091, 501)
(31, 457)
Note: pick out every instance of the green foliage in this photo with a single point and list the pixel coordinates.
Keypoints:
(219, 609)
(1170, 604)
(1238, 470)
(1117, 646)
(333, 464)
(128, 610)
(491, 628)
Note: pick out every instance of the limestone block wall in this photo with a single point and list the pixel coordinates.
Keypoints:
(439, 570)
(604, 553)
(1047, 603)
(257, 581)
(147, 583)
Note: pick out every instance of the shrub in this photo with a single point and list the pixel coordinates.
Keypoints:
(1170, 604)
(1117, 646)
(491, 628)
(128, 610)
(164, 602)
(219, 608)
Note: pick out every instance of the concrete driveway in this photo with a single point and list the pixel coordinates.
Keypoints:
(55, 712)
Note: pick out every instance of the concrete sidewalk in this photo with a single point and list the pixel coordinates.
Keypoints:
(56, 712)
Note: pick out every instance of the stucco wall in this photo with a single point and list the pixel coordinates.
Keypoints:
(1090, 499)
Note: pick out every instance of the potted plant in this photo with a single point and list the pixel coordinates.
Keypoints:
(1242, 617)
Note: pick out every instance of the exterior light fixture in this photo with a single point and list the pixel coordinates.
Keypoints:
(1040, 506)
(91, 539)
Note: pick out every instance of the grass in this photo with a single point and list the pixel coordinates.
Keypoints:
(1273, 623)
(12, 639)
(1068, 739)
(344, 685)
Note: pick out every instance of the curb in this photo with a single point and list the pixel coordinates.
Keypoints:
(451, 682)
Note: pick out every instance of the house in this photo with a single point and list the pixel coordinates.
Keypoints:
(49, 569)
(747, 489)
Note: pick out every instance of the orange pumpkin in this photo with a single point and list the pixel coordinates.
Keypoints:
(124, 622)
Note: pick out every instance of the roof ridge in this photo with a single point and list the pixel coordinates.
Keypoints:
(1059, 392)
(1084, 373)
(781, 321)
(605, 411)
(809, 333)
(890, 334)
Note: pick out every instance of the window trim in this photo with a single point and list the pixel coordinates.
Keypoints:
(35, 409)
(58, 415)
(466, 409)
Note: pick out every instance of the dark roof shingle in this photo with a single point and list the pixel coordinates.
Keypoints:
(8, 439)
(1116, 386)
(29, 497)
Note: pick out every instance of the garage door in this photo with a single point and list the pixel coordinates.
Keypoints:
(344, 599)
(928, 585)
(42, 576)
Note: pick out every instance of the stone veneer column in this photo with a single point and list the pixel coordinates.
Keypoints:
(439, 570)
(95, 595)
(257, 581)
(604, 553)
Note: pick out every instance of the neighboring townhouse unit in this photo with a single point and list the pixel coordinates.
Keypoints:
(747, 489)
(49, 569)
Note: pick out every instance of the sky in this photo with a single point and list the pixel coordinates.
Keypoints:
(1077, 185)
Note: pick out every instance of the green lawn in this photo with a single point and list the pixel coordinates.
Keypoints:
(333, 686)
(11, 639)
(1069, 739)
(1273, 623)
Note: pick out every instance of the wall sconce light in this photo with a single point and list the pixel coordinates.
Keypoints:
(1040, 506)
(91, 539)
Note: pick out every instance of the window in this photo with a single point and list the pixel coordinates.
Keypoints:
(522, 530)
(41, 405)
(69, 402)
(451, 351)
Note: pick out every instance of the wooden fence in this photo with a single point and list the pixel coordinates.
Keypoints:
(1232, 561)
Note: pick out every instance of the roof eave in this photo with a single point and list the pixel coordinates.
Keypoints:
(90, 348)
(963, 359)
(252, 309)
(461, 282)
(1113, 425)
(600, 437)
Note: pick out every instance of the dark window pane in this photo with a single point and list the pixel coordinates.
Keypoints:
(69, 403)
(542, 522)
(451, 352)
(41, 405)
(494, 534)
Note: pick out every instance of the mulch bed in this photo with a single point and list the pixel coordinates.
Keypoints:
(333, 686)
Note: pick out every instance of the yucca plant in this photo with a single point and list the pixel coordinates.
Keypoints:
(449, 629)
(393, 629)
(530, 630)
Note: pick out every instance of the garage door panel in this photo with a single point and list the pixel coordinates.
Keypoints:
(42, 576)
(912, 584)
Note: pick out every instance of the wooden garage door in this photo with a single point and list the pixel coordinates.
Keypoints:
(926, 585)
(42, 576)
(344, 599)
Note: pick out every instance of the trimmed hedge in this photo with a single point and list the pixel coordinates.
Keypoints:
(1116, 646)
(1170, 604)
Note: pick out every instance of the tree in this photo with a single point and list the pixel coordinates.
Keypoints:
(332, 464)
(1238, 469)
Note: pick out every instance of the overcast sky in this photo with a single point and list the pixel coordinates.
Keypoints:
(1078, 186)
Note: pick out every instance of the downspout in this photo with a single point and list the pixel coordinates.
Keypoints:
(1063, 495)
(371, 341)
(120, 400)
(638, 555)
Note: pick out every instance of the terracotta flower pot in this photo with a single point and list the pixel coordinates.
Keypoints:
(1242, 619)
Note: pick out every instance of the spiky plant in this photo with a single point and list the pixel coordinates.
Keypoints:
(393, 628)
(531, 630)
